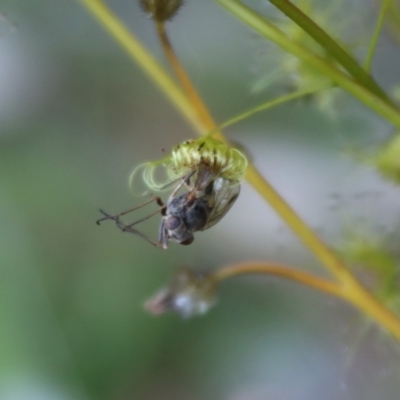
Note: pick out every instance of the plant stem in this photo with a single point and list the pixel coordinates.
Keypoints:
(374, 41)
(250, 268)
(271, 32)
(366, 302)
(332, 47)
(393, 19)
(309, 238)
(272, 103)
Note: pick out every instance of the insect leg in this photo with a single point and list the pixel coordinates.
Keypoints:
(126, 228)
(145, 218)
(184, 181)
(116, 217)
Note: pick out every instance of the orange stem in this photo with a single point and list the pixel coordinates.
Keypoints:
(191, 92)
(279, 270)
(354, 293)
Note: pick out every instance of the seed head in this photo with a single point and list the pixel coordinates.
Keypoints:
(189, 293)
(160, 10)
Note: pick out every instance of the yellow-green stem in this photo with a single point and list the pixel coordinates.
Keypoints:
(273, 103)
(374, 40)
(366, 302)
(393, 19)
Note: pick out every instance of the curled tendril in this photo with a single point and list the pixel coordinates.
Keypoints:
(224, 162)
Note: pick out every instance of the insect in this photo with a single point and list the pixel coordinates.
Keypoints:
(206, 200)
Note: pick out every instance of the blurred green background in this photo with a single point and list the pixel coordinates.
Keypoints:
(76, 117)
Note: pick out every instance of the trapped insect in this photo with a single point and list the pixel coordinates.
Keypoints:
(209, 173)
(203, 204)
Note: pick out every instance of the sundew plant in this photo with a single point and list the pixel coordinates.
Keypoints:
(312, 60)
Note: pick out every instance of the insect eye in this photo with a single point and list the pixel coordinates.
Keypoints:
(172, 223)
(187, 241)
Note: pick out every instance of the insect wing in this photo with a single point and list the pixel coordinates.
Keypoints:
(221, 199)
(204, 177)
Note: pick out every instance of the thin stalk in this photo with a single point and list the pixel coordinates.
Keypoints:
(191, 93)
(332, 47)
(393, 19)
(374, 40)
(251, 268)
(272, 103)
(271, 32)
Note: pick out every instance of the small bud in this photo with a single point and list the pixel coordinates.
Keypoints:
(189, 293)
(160, 10)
